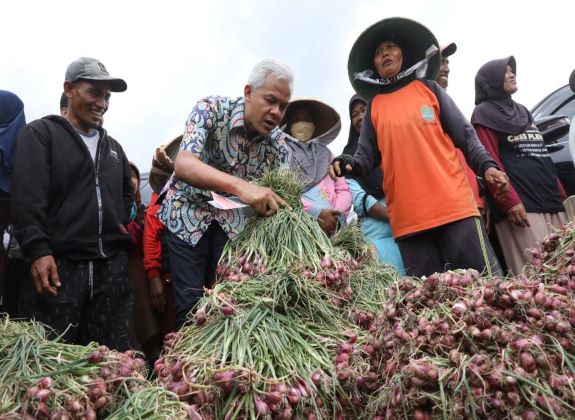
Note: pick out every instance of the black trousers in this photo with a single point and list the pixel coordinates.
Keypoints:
(193, 268)
(461, 244)
(94, 303)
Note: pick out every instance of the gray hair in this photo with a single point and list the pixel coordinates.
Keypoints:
(272, 66)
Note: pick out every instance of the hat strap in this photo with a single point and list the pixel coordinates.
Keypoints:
(420, 68)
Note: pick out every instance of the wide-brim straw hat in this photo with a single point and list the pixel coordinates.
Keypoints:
(414, 40)
(324, 116)
(159, 175)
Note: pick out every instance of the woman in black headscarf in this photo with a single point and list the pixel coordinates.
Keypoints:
(12, 120)
(368, 197)
(356, 110)
(507, 131)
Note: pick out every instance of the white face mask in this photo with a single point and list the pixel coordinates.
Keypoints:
(302, 130)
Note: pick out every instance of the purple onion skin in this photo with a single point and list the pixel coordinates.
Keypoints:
(194, 413)
(43, 394)
(262, 409)
(228, 310)
(95, 357)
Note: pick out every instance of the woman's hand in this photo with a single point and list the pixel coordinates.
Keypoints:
(162, 158)
(328, 219)
(339, 166)
(157, 294)
(518, 216)
(499, 180)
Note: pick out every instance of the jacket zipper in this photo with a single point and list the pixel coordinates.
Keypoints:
(91, 277)
(98, 192)
(99, 195)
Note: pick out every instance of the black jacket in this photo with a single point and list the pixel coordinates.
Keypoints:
(64, 203)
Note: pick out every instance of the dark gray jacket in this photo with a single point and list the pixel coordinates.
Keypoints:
(64, 203)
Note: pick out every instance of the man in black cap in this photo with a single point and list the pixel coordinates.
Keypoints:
(443, 77)
(72, 198)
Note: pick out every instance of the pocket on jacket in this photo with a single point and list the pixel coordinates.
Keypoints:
(76, 217)
(117, 206)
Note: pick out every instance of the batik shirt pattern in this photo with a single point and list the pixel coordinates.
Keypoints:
(215, 132)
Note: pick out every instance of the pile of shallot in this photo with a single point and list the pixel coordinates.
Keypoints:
(459, 345)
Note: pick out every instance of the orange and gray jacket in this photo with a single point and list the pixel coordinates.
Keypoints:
(412, 134)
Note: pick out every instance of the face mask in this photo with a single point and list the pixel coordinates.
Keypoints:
(302, 130)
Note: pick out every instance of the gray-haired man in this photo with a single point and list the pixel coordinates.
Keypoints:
(226, 141)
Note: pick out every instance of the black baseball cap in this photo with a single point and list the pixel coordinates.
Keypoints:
(86, 68)
(448, 49)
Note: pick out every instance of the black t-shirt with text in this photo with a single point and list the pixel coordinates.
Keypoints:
(531, 170)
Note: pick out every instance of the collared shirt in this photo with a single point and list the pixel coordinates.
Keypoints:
(215, 132)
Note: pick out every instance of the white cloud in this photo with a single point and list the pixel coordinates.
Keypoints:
(173, 52)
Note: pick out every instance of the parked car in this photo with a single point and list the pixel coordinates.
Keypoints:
(553, 117)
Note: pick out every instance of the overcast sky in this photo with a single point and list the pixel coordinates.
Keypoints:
(171, 53)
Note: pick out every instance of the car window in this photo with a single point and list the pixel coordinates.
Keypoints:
(568, 109)
(553, 102)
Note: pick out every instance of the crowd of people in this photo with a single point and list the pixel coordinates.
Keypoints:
(84, 255)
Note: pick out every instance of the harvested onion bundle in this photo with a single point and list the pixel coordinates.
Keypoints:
(271, 344)
(45, 378)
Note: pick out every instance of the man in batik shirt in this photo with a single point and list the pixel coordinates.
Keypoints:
(226, 141)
